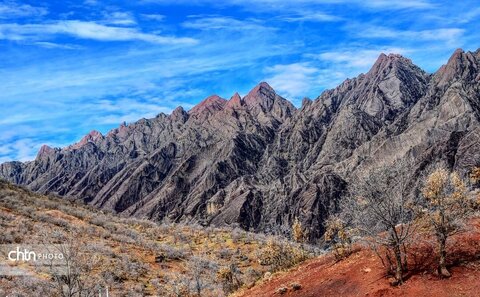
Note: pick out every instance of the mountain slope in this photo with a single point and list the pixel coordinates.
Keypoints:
(258, 161)
(128, 256)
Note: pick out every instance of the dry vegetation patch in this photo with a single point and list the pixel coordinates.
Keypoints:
(135, 257)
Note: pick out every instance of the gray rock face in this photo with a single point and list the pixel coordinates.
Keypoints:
(258, 161)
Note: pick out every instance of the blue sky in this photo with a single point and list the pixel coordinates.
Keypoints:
(68, 67)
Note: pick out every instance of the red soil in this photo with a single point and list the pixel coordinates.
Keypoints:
(362, 274)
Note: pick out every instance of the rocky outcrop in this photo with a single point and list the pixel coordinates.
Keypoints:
(258, 162)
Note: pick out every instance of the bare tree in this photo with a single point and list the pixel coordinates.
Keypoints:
(75, 276)
(201, 270)
(378, 207)
(446, 205)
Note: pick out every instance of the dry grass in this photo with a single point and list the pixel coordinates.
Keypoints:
(135, 257)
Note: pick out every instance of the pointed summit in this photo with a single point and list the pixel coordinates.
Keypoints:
(461, 65)
(385, 63)
(261, 95)
(45, 150)
(236, 97)
(263, 99)
(93, 136)
(235, 102)
(262, 88)
(392, 84)
(179, 114)
(210, 104)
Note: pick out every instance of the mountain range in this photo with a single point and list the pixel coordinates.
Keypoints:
(258, 161)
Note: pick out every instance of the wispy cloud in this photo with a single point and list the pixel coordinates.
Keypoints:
(439, 34)
(21, 149)
(52, 45)
(397, 4)
(311, 17)
(291, 80)
(85, 30)
(155, 17)
(217, 22)
(277, 5)
(95, 65)
(13, 9)
(128, 110)
(119, 18)
(359, 58)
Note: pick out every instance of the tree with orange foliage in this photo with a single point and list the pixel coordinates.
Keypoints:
(446, 206)
(475, 175)
(339, 235)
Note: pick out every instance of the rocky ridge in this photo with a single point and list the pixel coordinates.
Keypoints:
(259, 162)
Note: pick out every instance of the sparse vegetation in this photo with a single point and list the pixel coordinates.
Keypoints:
(229, 278)
(134, 257)
(385, 214)
(339, 236)
(475, 175)
(280, 254)
(298, 232)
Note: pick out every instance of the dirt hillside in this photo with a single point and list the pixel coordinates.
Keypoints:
(362, 274)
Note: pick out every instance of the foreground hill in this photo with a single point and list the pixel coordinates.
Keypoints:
(361, 274)
(129, 256)
(259, 162)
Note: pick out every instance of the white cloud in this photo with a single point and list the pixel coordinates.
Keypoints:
(291, 80)
(357, 57)
(12, 9)
(119, 18)
(154, 17)
(397, 4)
(53, 45)
(85, 30)
(222, 22)
(282, 5)
(294, 81)
(24, 149)
(311, 17)
(442, 34)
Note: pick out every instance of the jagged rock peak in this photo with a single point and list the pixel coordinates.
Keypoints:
(211, 103)
(236, 97)
(261, 95)
(45, 150)
(262, 88)
(235, 101)
(306, 101)
(179, 114)
(390, 61)
(263, 99)
(460, 64)
(92, 136)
